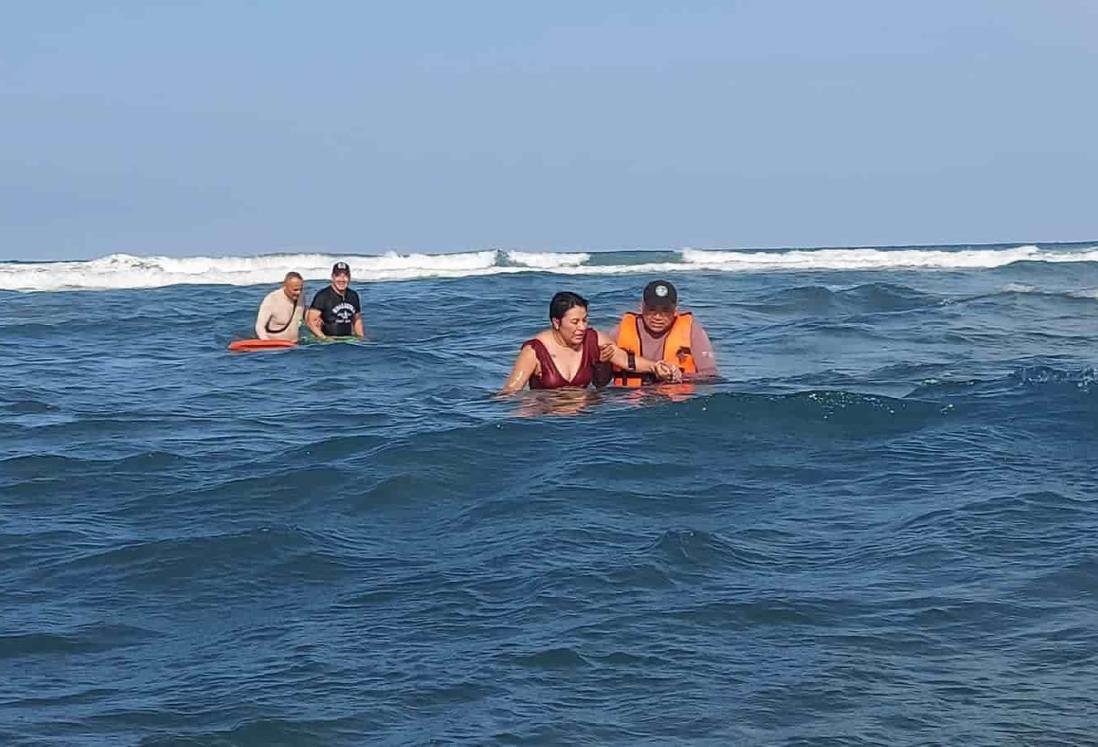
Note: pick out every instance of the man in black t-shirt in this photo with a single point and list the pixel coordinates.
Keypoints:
(335, 310)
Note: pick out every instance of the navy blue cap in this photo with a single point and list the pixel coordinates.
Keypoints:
(660, 294)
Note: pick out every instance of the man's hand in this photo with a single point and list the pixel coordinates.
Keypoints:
(666, 372)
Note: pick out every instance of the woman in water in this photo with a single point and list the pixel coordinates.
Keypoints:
(567, 354)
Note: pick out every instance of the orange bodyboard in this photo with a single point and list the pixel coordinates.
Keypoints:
(248, 346)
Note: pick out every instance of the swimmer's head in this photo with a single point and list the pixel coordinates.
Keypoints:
(292, 285)
(660, 302)
(341, 276)
(568, 315)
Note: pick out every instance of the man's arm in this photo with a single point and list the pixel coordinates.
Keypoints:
(356, 320)
(702, 350)
(640, 364)
(312, 321)
(261, 320)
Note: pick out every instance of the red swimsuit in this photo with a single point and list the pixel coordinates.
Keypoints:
(551, 378)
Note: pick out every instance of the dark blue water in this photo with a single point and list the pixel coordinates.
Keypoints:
(880, 528)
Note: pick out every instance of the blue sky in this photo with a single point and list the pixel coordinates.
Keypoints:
(244, 127)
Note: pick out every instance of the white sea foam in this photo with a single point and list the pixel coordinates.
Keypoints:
(129, 271)
(546, 260)
(861, 259)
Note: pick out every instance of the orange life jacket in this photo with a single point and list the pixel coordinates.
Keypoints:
(676, 346)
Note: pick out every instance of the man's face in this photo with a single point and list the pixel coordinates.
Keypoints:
(292, 288)
(340, 281)
(658, 320)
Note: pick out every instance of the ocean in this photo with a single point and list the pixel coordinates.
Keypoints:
(880, 526)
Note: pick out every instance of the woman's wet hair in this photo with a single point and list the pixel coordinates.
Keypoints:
(564, 301)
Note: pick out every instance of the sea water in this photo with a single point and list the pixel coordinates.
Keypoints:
(880, 526)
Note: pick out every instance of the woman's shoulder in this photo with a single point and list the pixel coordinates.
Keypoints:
(544, 337)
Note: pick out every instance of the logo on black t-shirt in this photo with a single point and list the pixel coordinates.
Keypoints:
(343, 313)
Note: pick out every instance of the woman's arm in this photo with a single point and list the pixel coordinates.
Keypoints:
(526, 365)
(621, 359)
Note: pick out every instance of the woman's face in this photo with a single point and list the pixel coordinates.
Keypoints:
(573, 325)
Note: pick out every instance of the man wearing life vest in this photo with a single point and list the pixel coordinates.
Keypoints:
(660, 332)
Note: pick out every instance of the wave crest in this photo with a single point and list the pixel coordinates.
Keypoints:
(871, 259)
(546, 260)
(118, 271)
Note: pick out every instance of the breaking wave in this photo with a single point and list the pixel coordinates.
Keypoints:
(117, 271)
